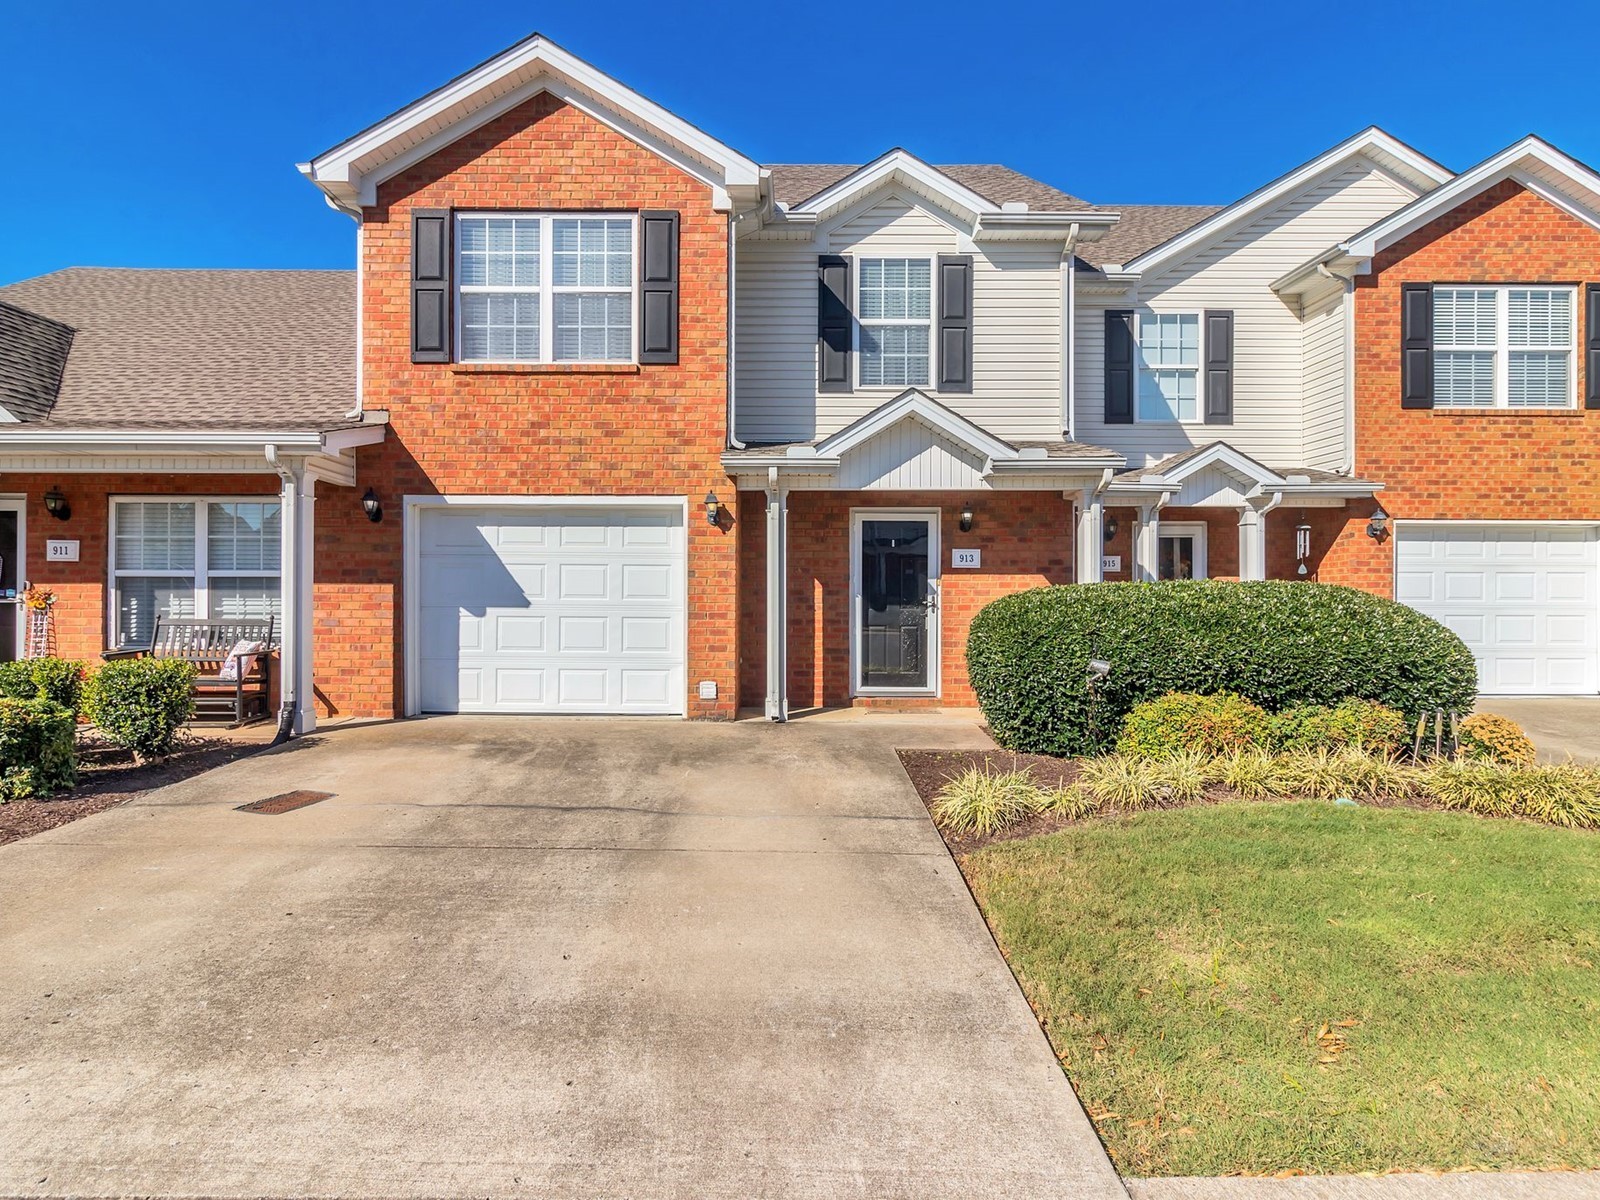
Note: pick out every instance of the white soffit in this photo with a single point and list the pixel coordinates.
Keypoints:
(350, 172)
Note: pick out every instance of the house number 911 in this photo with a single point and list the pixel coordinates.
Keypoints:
(61, 551)
(966, 558)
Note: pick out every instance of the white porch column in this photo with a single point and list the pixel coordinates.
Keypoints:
(777, 599)
(1147, 545)
(1091, 537)
(297, 550)
(1252, 544)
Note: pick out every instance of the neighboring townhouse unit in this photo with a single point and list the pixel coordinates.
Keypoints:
(612, 418)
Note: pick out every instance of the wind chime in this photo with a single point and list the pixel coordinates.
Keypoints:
(1302, 544)
(41, 636)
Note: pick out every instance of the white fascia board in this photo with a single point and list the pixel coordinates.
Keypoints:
(1371, 142)
(914, 404)
(178, 441)
(1044, 226)
(353, 167)
(1223, 455)
(884, 169)
(1521, 162)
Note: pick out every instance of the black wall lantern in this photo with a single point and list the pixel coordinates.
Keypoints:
(1108, 528)
(56, 504)
(713, 509)
(370, 506)
(966, 518)
(1378, 526)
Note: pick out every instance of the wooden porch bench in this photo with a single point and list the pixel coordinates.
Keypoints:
(206, 644)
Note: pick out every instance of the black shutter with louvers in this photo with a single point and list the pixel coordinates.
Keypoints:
(658, 286)
(955, 323)
(1219, 367)
(833, 323)
(1591, 346)
(430, 285)
(1119, 367)
(1416, 345)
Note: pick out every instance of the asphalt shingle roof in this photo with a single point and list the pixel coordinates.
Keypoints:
(182, 349)
(1142, 227)
(33, 354)
(795, 182)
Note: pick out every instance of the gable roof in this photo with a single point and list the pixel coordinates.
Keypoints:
(204, 350)
(1532, 162)
(33, 354)
(1417, 169)
(350, 172)
(795, 183)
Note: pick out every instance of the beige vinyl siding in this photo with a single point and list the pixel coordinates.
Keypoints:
(1016, 302)
(1270, 422)
(1323, 323)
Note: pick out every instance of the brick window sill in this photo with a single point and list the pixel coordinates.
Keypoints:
(1559, 414)
(545, 368)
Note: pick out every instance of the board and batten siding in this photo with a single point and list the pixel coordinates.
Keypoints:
(1016, 338)
(1270, 421)
(1323, 322)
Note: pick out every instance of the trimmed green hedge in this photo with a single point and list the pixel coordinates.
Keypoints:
(36, 749)
(57, 679)
(139, 703)
(1278, 643)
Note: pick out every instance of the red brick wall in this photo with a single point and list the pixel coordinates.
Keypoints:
(653, 430)
(1449, 463)
(1026, 539)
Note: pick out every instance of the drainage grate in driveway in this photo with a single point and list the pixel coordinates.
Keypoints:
(284, 802)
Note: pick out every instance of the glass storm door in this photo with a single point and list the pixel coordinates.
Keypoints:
(10, 581)
(1182, 551)
(897, 603)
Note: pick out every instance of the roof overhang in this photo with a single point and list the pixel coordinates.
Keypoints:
(1410, 166)
(1254, 480)
(349, 173)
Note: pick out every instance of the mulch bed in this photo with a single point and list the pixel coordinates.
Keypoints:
(930, 770)
(108, 777)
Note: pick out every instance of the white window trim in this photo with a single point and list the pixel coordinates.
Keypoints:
(1194, 529)
(202, 572)
(933, 516)
(858, 323)
(546, 289)
(1200, 358)
(1502, 347)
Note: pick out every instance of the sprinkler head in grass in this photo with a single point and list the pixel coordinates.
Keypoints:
(1345, 802)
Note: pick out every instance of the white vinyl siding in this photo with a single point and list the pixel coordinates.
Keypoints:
(1270, 422)
(1324, 378)
(544, 288)
(193, 558)
(1503, 347)
(1016, 327)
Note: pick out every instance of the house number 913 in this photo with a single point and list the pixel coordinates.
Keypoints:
(966, 558)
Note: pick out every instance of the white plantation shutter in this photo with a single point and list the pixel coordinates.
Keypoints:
(1503, 346)
(896, 314)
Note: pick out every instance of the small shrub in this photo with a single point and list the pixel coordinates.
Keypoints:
(981, 802)
(1361, 724)
(1248, 773)
(59, 680)
(1277, 643)
(139, 703)
(1183, 722)
(36, 749)
(1495, 739)
(1565, 794)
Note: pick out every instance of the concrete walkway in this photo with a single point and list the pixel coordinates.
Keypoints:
(1561, 727)
(555, 958)
(1511, 1185)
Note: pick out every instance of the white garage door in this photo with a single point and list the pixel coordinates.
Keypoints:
(1523, 597)
(562, 610)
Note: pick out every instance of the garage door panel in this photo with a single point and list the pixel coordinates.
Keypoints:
(551, 610)
(1522, 597)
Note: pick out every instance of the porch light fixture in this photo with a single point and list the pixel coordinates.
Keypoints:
(713, 509)
(370, 506)
(1108, 528)
(56, 504)
(966, 518)
(1098, 669)
(1302, 543)
(1378, 526)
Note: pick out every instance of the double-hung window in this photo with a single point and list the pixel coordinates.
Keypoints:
(894, 308)
(544, 287)
(1503, 347)
(1169, 367)
(193, 558)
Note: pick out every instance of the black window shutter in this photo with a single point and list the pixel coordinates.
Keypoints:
(1591, 345)
(833, 323)
(955, 323)
(658, 286)
(1416, 345)
(431, 321)
(1219, 367)
(1119, 367)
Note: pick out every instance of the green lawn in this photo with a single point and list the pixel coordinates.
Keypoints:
(1261, 987)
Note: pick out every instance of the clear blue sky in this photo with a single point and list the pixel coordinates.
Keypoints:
(166, 134)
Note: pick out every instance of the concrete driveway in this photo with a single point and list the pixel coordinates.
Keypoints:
(586, 958)
(1561, 727)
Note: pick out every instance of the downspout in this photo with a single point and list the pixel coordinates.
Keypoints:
(1348, 467)
(733, 293)
(361, 365)
(1069, 333)
(288, 681)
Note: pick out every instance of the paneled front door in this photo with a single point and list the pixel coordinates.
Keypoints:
(11, 582)
(896, 602)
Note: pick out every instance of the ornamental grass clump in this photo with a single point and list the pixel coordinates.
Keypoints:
(980, 802)
(1564, 794)
(1247, 773)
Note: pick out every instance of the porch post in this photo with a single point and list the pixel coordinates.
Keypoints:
(1147, 544)
(777, 598)
(1252, 544)
(1091, 537)
(296, 549)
